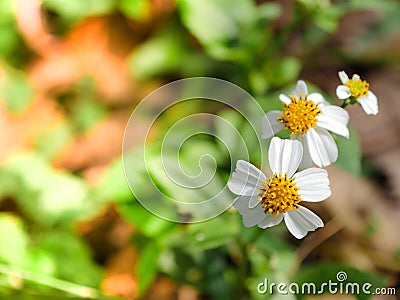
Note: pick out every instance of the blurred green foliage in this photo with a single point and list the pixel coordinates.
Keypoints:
(242, 42)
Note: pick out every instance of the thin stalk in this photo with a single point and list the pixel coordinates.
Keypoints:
(58, 284)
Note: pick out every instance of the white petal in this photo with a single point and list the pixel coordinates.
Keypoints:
(313, 184)
(284, 156)
(269, 124)
(369, 103)
(317, 98)
(285, 99)
(253, 201)
(322, 147)
(343, 77)
(270, 220)
(251, 216)
(301, 88)
(335, 119)
(343, 92)
(301, 221)
(355, 77)
(246, 179)
(306, 161)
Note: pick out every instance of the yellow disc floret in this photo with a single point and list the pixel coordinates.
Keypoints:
(279, 194)
(358, 87)
(299, 115)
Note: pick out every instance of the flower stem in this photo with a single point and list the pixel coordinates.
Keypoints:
(58, 284)
(350, 100)
(242, 269)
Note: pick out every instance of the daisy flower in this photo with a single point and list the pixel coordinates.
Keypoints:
(308, 117)
(357, 90)
(266, 201)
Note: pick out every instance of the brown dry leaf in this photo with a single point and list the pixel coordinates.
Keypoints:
(358, 204)
(109, 237)
(163, 288)
(31, 24)
(120, 279)
(158, 9)
(166, 289)
(187, 292)
(107, 232)
(19, 131)
(98, 48)
(98, 146)
(380, 134)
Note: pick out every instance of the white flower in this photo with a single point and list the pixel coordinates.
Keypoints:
(267, 201)
(308, 117)
(359, 89)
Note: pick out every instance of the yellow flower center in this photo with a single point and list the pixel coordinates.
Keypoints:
(299, 115)
(279, 194)
(358, 88)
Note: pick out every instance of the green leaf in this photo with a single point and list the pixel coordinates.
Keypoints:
(26, 295)
(87, 113)
(113, 186)
(349, 153)
(313, 5)
(147, 266)
(328, 18)
(15, 90)
(320, 274)
(51, 141)
(8, 36)
(227, 128)
(40, 261)
(282, 71)
(215, 232)
(148, 224)
(72, 258)
(161, 54)
(135, 9)
(218, 24)
(6, 9)
(13, 248)
(271, 242)
(77, 9)
(62, 199)
(210, 21)
(47, 196)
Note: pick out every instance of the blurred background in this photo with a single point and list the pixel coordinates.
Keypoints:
(71, 73)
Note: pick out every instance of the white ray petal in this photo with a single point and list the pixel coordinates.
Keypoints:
(269, 124)
(343, 92)
(253, 201)
(284, 156)
(251, 216)
(343, 77)
(335, 119)
(299, 222)
(285, 99)
(313, 184)
(246, 179)
(322, 147)
(306, 161)
(269, 220)
(317, 98)
(301, 88)
(369, 103)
